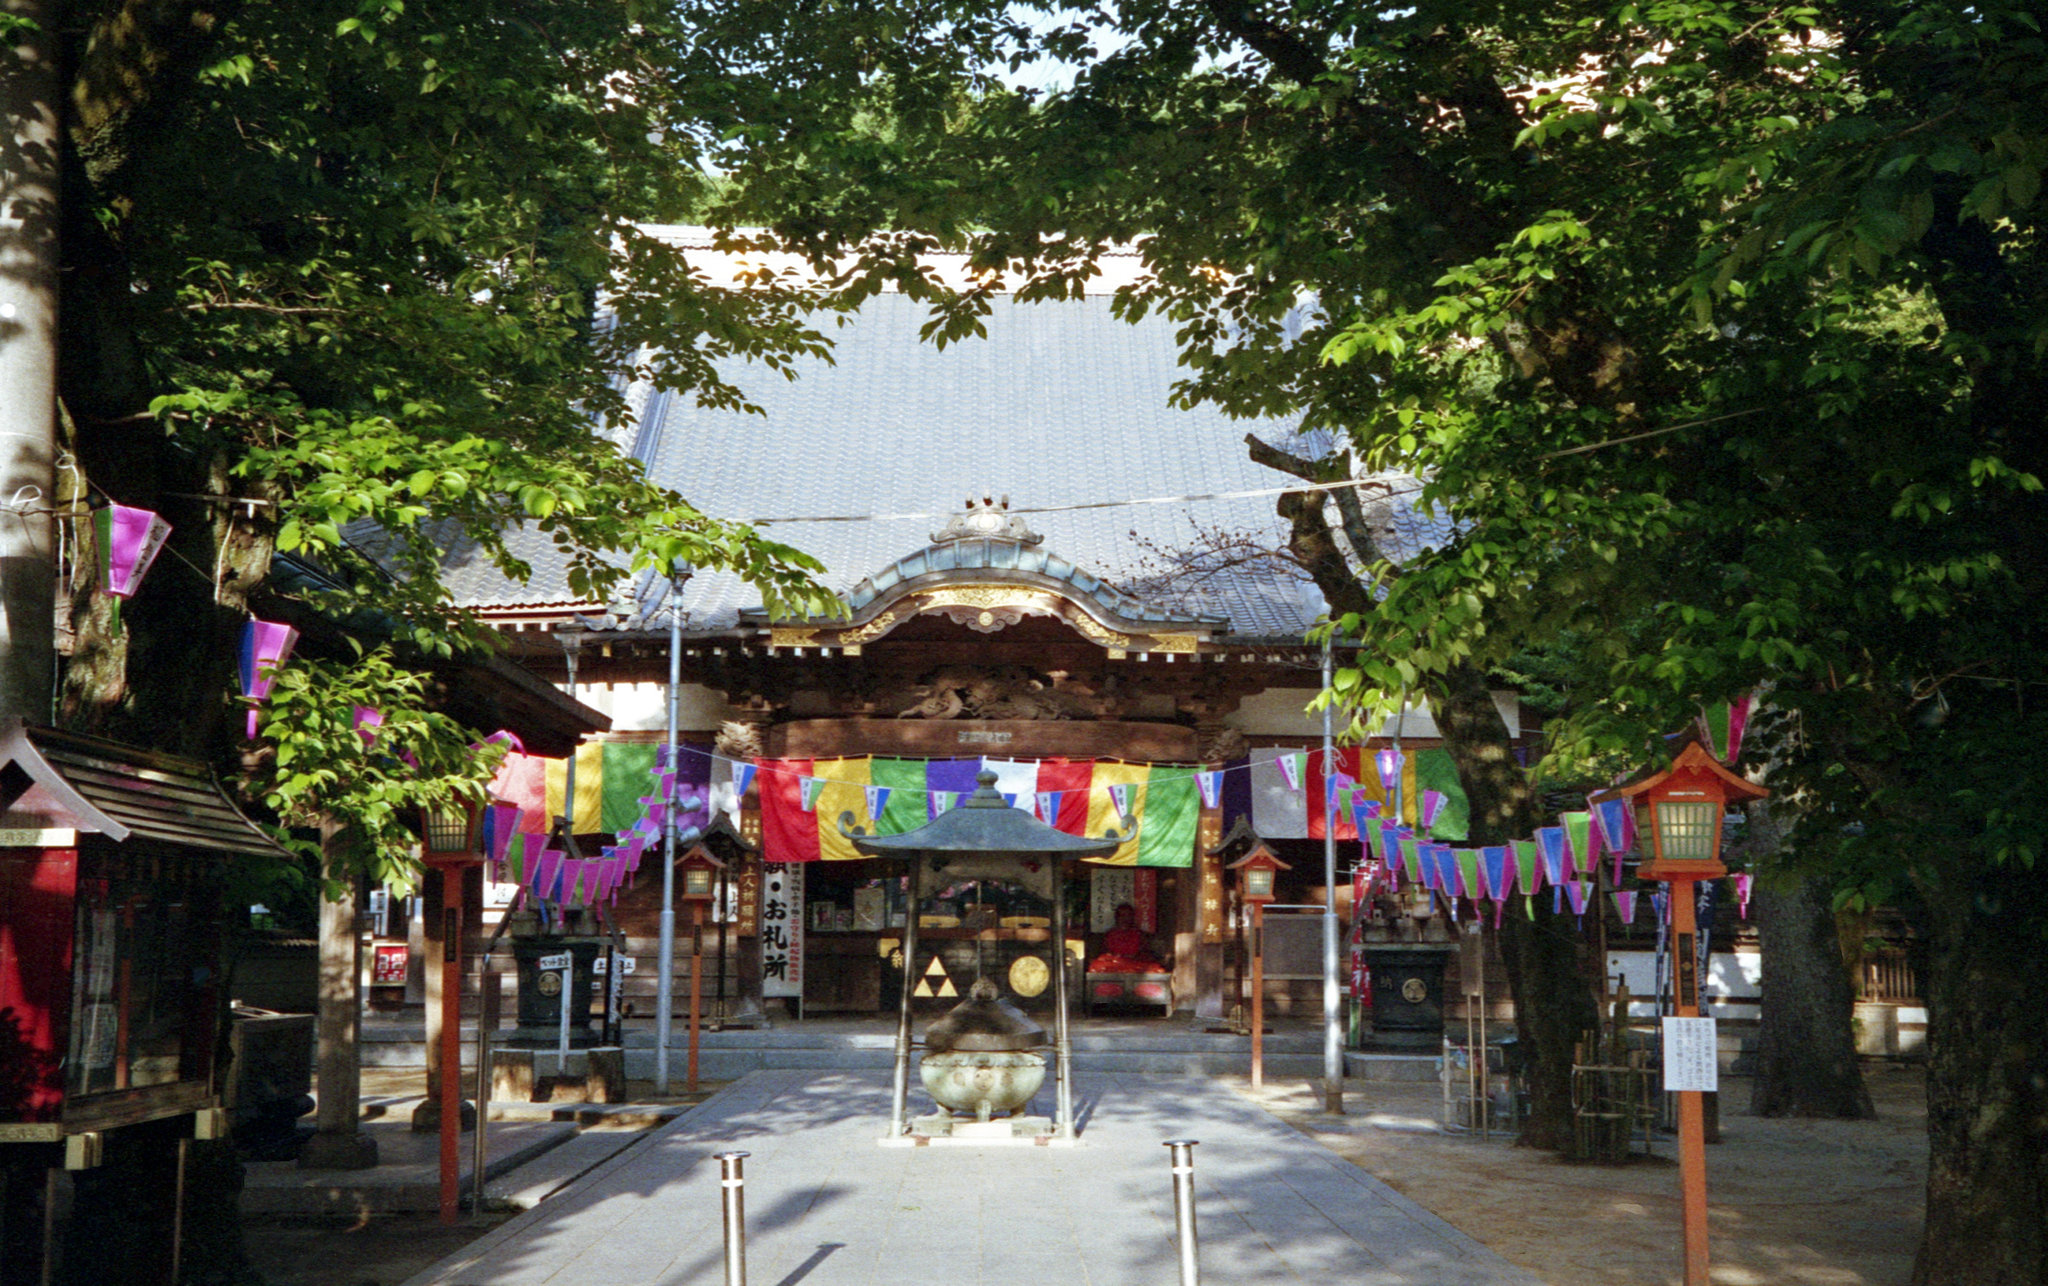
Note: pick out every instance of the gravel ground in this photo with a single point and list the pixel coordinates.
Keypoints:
(1790, 1202)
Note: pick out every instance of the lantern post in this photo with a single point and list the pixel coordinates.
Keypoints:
(451, 842)
(1685, 805)
(699, 871)
(1255, 889)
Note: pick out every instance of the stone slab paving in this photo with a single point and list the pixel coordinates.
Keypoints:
(827, 1206)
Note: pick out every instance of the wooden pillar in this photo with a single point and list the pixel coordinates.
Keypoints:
(338, 1142)
(1210, 905)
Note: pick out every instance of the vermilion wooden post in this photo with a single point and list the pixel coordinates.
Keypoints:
(451, 1042)
(1258, 994)
(1692, 1133)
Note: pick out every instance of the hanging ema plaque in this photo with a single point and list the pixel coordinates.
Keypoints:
(782, 929)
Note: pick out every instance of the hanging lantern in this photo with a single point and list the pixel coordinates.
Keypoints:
(266, 646)
(128, 542)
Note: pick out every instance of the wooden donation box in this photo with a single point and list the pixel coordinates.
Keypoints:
(110, 930)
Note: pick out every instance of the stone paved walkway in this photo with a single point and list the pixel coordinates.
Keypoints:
(826, 1206)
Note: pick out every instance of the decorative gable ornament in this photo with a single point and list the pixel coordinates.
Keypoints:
(987, 519)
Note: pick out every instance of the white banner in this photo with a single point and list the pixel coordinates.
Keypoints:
(782, 929)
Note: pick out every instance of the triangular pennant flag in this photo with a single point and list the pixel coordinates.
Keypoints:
(808, 790)
(1290, 766)
(1120, 795)
(1625, 905)
(1210, 784)
(1362, 811)
(1389, 764)
(1616, 823)
(1432, 804)
(742, 777)
(878, 800)
(1049, 806)
(1499, 871)
(1411, 860)
(942, 800)
(1578, 891)
(1550, 839)
(1723, 725)
(1528, 866)
(1468, 873)
(1580, 850)
(1745, 884)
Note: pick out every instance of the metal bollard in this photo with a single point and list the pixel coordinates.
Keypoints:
(732, 1182)
(1184, 1208)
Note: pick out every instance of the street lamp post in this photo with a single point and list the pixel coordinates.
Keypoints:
(664, 983)
(1685, 804)
(1255, 889)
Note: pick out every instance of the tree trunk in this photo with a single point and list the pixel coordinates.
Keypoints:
(1554, 1008)
(1987, 1084)
(1806, 1048)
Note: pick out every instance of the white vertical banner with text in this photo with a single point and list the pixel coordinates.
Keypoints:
(782, 929)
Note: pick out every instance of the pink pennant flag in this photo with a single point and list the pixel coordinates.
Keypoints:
(1578, 891)
(1432, 805)
(1745, 884)
(1723, 725)
(545, 868)
(1625, 905)
(266, 646)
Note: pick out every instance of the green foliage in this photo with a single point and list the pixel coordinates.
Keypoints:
(323, 769)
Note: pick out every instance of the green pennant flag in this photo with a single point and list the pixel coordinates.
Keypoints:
(1411, 859)
(1468, 871)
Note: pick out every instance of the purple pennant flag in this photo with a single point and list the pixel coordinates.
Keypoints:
(1500, 871)
(500, 821)
(1210, 784)
(1577, 891)
(742, 777)
(129, 540)
(631, 850)
(266, 646)
(1363, 811)
(1289, 764)
(878, 799)
(1389, 762)
(1432, 804)
(544, 869)
(1625, 905)
(1745, 884)
(1551, 842)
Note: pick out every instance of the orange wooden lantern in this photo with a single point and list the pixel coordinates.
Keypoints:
(1255, 888)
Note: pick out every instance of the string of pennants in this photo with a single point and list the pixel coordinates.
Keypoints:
(1564, 858)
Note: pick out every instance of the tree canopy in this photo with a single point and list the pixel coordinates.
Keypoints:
(353, 283)
(1717, 327)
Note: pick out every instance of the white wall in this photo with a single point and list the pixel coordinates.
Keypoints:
(643, 707)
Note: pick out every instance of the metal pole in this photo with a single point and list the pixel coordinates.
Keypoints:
(1333, 1024)
(732, 1183)
(899, 1088)
(562, 1015)
(1063, 1043)
(1184, 1208)
(664, 977)
(490, 997)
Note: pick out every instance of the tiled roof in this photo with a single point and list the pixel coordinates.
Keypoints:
(1062, 404)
